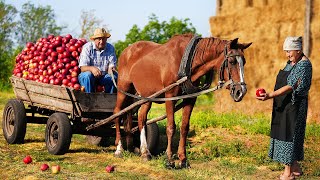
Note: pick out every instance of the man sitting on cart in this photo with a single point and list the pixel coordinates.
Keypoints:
(97, 61)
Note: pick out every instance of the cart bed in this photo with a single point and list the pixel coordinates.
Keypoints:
(60, 98)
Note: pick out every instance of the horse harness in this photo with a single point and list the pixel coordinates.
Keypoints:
(224, 66)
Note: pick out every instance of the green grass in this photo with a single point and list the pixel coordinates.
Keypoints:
(219, 146)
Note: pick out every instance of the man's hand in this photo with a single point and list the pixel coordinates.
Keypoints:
(95, 71)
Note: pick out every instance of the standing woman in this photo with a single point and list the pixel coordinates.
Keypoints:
(290, 106)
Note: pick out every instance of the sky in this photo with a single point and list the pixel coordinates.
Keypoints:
(120, 15)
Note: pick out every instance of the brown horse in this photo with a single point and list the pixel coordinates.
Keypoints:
(147, 67)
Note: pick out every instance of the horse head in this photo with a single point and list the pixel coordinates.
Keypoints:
(232, 68)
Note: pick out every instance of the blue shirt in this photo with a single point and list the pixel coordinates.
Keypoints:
(91, 56)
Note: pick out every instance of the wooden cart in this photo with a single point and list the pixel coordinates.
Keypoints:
(63, 110)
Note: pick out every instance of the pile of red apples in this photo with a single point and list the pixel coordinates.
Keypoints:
(51, 60)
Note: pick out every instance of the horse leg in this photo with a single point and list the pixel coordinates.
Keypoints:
(127, 128)
(118, 143)
(119, 105)
(142, 117)
(170, 130)
(187, 110)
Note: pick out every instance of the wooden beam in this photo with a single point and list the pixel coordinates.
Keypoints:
(307, 26)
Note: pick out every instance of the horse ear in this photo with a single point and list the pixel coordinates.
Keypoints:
(234, 44)
(246, 45)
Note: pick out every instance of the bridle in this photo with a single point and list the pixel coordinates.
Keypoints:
(224, 66)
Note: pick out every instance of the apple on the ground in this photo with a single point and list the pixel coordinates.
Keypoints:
(55, 169)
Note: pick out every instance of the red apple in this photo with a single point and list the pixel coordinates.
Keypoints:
(72, 41)
(77, 86)
(19, 74)
(72, 48)
(75, 54)
(50, 72)
(66, 54)
(74, 74)
(69, 77)
(64, 72)
(110, 168)
(50, 36)
(66, 60)
(260, 91)
(74, 63)
(67, 66)
(60, 49)
(57, 81)
(65, 82)
(27, 159)
(54, 54)
(68, 36)
(45, 80)
(76, 69)
(74, 80)
(29, 44)
(44, 167)
(55, 169)
(100, 88)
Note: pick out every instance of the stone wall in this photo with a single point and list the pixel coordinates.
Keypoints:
(266, 23)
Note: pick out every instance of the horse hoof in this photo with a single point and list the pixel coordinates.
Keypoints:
(183, 165)
(118, 154)
(146, 157)
(170, 164)
(136, 151)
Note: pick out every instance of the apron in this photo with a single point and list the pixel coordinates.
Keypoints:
(284, 113)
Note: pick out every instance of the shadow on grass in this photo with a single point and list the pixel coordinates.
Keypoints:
(33, 140)
(86, 150)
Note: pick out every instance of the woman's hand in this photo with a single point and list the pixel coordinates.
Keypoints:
(263, 97)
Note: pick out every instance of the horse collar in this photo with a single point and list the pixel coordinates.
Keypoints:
(186, 65)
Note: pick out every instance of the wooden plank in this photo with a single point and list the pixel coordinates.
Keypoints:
(21, 94)
(46, 107)
(41, 88)
(95, 102)
(47, 101)
(51, 101)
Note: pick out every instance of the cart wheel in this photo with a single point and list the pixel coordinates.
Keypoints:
(153, 138)
(58, 134)
(14, 122)
(97, 140)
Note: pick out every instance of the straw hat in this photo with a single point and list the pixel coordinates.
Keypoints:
(100, 32)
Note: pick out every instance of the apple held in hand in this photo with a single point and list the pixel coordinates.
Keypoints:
(44, 167)
(55, 169)
(27, 159)
(110, 168)
(260, 91)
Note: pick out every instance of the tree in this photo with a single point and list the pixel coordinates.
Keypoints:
(159, 32)
(88, 22)
(36, 22)
(7, 25)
